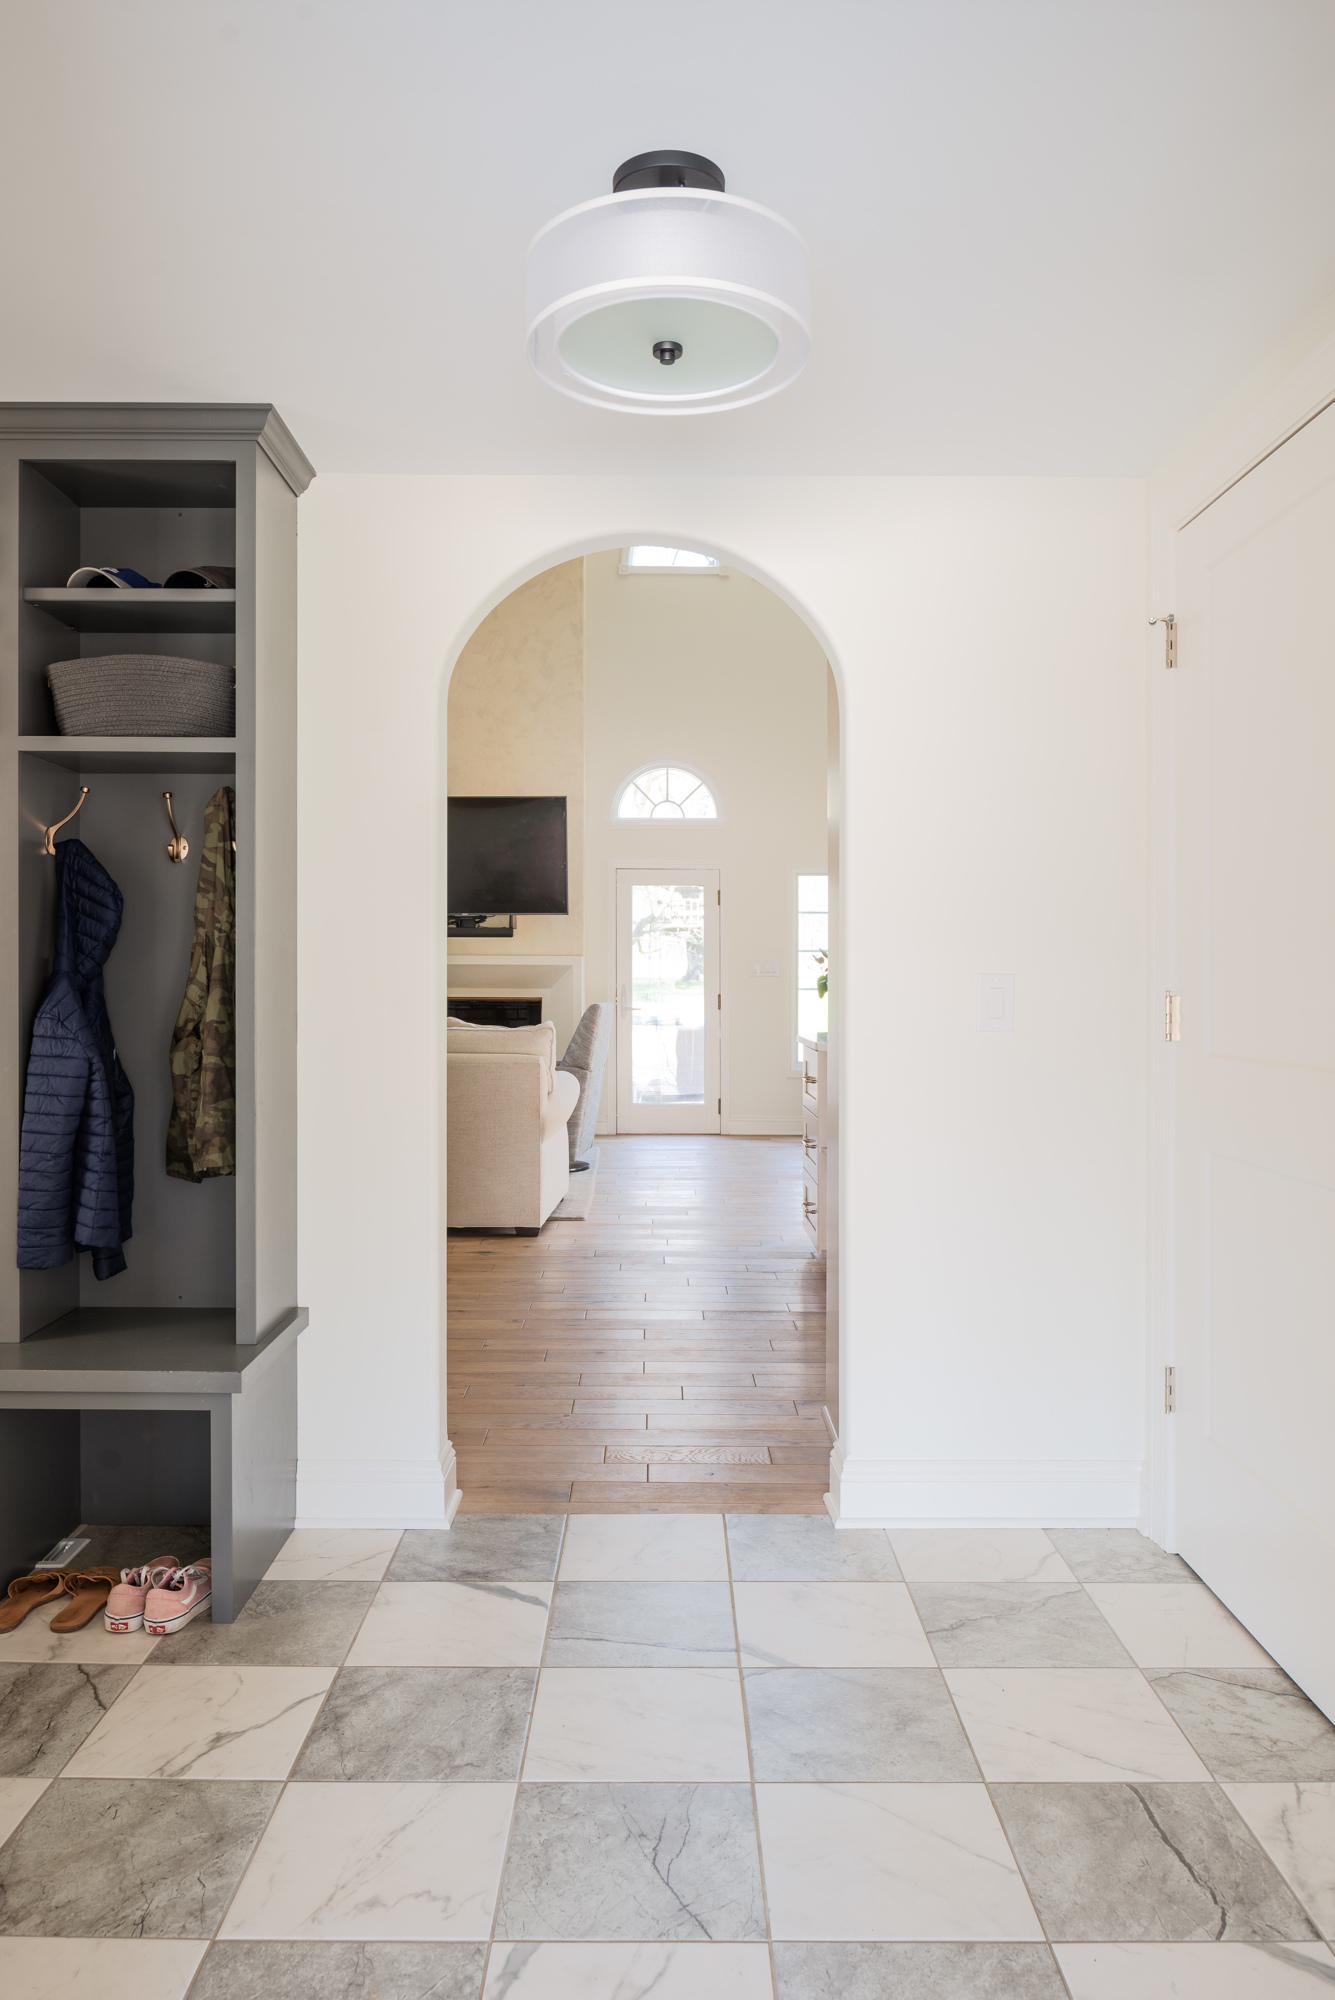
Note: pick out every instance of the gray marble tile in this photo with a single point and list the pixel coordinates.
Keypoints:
(874, 1971)
(855, 1725)
(1127, 1862)
(420, 1725)
(806, 1548)
(46, 1711)
(1016, 1625)
(650, 1862)
(641, 1625)
(481, 1548)
(283, 1625)
(1117, 1555)
(138, 1858)
(1250, 1725)
(345, 1971)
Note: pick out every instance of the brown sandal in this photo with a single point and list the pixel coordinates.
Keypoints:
(26, 1593)
(89, 1589)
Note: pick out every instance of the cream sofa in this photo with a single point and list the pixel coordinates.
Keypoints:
(507, 1110)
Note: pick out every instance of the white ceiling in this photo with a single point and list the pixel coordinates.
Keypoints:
(1046, 235)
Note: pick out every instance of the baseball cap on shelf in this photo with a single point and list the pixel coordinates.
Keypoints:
(208, 576)
(93, 577)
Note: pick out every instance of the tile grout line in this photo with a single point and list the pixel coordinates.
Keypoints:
(284, 1783)
(490, 1940)
(750, 1758)
(983, 1779)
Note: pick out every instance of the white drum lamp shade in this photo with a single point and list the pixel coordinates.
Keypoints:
(668, 300)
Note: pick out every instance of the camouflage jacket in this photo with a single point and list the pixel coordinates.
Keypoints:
(201, 1138)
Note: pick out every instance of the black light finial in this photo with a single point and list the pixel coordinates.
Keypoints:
(667, 351)
(667, 170)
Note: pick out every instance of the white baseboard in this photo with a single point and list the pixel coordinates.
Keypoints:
(764, 1128)
(984, 1493)
(377, 1492)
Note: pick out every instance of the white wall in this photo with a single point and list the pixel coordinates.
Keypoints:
(719, 675)
(988, 636)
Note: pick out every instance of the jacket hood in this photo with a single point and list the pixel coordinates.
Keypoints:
(88, 912)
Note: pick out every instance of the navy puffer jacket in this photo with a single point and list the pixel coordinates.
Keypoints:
(76, 1161)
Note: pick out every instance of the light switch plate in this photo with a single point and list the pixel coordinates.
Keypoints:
(764, 968)
(996, 1002)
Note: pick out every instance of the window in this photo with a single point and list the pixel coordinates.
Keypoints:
(666, 791)
(813, 941)
(648, 558)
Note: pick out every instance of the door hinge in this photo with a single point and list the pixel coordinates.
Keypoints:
(1172, 1017)
(1169, 623)
(1170, 1392)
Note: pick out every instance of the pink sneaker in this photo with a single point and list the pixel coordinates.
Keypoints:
(124, 1609)
(179, 1598)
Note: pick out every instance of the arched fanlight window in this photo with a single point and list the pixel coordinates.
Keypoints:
(665, 791)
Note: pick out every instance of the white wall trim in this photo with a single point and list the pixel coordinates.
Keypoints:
(984, 1492)
(377, 1492)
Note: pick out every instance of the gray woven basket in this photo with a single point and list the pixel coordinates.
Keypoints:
(143, 694)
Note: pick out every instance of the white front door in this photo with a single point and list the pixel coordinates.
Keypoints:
(1253, 1076)
(669, 1000)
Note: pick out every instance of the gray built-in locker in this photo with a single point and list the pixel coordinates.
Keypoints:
(164, 1397)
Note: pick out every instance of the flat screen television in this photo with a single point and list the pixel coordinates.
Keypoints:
(508, 858)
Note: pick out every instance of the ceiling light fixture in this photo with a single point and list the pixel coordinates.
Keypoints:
(669, 296)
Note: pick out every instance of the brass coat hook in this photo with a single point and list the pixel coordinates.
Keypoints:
(49, 844)
(178, 846)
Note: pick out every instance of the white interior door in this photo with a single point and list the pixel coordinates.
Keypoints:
(1253, 1077)
(669, 1000)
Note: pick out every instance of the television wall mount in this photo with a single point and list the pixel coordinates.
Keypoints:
(465, 923)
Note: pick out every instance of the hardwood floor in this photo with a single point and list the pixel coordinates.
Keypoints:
(666, 1355)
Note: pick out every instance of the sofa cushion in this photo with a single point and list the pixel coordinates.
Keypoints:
(539, 1040)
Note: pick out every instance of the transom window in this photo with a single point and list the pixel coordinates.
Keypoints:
(651, 556)
(666, 791)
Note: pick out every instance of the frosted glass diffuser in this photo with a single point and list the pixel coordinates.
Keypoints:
(668, 299)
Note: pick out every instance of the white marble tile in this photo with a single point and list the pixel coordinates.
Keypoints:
(829, 1625)
(341, 1555)
(978, 1555)
(637, 1724)
(889, 1861)
(628, 1972)
(454, 1625)
(1069, 1724)
(33, 1643)
(1295, 1824)
(1176, 1625)
(1196, 1971)
(645, 1548)
(18, 1796)
(376, 1861)
(205, 1722)
(40, 1968)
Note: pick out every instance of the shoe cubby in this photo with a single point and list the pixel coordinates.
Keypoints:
(191, 1350)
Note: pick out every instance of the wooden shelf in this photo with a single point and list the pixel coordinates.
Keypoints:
(141, 1350)
(134, 753)
(139, 610)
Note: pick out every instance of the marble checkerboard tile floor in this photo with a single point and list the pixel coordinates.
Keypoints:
(540, 1758)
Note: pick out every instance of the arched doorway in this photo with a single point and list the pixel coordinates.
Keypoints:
(617, 684)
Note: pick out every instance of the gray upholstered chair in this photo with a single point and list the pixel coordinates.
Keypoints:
(586, 1060)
